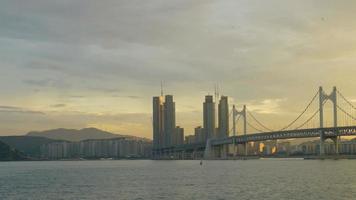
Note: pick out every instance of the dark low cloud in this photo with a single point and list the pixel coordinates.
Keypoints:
(38, 82)
(61, 105)
(54, 83)
(10, 108)
(133, 97)
(128, 96)
(104, 89)
(82, 52)
(18, 110)
(44, 65)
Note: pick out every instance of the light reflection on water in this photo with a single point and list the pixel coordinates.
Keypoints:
(251, 179)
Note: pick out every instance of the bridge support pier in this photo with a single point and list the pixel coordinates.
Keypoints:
(245, 148)
(235, 148)
(336, 144)
(322, 98)
(335, 140)
(321, 145)
(224, 151)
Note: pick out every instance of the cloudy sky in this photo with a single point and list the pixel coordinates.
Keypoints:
(89, 63)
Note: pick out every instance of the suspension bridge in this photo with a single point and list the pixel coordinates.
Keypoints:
(310, 123)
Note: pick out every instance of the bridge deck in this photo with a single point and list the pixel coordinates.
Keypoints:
(241, 139)
(301, 133)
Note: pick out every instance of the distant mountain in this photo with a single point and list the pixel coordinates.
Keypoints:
(8, 153)
(28, 145)
(78, 135)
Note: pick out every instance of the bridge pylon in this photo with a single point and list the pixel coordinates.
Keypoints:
(323, 98)
(241, 113)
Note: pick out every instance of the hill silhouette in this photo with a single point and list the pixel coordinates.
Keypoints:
(8, 153)
(28, 145)
(75, 135)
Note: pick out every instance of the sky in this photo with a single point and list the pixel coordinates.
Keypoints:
(89, 63)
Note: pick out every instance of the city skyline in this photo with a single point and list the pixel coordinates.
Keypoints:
(178, 99)
(99, 64)
(166, 133)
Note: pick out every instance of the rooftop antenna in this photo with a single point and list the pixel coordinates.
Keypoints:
(162, 88)
(216, 102)
(218, 90)
(215, 92)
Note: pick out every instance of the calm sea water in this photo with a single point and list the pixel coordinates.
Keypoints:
(252, 179)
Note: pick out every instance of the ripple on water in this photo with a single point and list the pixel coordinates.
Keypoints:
(252, 179)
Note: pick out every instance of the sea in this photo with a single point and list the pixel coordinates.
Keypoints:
(265, 179)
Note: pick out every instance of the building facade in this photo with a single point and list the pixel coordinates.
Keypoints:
(95, 149)
(209, 117)
(190, 139)
(169, 121)
(178, 136)
(158, 122)
(165, 131)
(199, 135)
(223, 117)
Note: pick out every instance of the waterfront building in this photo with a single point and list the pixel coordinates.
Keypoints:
(178, 138)
(169, 120)
(223, 117)
(99, 148)
(199, 135)
(209, 117)
(158, 122)
(283, 148)
(348, 147)
(190, 139)
(269, 147)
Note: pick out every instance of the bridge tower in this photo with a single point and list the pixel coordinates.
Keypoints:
(323, 97)
(241, 113)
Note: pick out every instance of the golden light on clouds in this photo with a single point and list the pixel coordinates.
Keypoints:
(101, 67)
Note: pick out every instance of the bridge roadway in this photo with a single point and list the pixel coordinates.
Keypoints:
(301, 133)
(242, 139)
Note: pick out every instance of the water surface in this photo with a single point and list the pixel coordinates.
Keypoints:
(252, 179)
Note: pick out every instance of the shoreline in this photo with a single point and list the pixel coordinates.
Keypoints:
(327, 157)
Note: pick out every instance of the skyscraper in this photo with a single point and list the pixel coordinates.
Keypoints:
(199, 135)
(158, 122)
(169, 120)
(223, 117)
(209, 117)
(178, 136)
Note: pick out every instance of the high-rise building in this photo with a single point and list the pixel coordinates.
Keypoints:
(158, 122)
(190, 139)
(169, 120)
(209, 117)
(223, 117)
(199, 135)
(178, 136)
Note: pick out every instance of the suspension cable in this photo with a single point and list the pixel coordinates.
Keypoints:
(250, 125)
(347, 101)
(258, 122)
(300, 115)
(348, 114)
(237, 120)
(309, 119)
